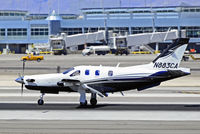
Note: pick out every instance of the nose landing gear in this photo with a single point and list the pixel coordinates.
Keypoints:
(41, 101)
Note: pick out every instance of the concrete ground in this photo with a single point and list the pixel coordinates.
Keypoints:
(98, 127)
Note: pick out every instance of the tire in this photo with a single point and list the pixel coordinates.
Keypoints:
(40, 102)
(38, 60)
(83, 104)
(93, 101)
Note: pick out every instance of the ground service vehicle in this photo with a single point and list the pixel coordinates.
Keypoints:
(99, 50)
(119, 45)
(141, 52)
(32, 57)
(186, 57)
(58, 47)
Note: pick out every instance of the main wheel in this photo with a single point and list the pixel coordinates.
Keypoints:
(40, 102)
(83, 103)
(93, 101)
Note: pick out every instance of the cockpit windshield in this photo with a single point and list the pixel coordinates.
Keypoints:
(68, 70)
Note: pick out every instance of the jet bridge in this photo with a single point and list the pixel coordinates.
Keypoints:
(78, 39)
(146, 38)
(60, 43)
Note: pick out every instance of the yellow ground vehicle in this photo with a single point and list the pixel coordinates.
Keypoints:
(46, 52)
(141, 52)
(194, 58)
(32, 57)
(186, 57)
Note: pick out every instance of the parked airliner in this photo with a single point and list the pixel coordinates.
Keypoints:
(101, 80)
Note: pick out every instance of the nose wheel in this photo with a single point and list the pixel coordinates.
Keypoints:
(41, 101)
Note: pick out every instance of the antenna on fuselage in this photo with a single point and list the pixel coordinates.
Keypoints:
(118, 65)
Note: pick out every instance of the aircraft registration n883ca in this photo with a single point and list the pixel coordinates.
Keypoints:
(100, 80)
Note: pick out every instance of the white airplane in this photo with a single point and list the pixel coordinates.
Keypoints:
(100, 80)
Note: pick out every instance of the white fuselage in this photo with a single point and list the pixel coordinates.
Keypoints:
(103, 72)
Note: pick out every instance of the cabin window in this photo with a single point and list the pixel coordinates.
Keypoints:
(68, 70)
(97, 72)
(110, 73)
(87, 72)
(76, 73)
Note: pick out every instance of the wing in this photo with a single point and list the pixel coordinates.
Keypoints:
(73, 82)
(92, 90)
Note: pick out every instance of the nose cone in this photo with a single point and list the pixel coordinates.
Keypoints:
(20, 80)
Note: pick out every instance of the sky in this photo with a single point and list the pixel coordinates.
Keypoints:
(74, 6)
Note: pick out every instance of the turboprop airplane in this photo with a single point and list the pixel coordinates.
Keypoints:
(101, 80)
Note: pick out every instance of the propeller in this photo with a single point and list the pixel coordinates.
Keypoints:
(22, 78)
(23, 68)
(22, 89)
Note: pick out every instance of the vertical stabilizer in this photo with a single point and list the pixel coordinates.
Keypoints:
(171, 57)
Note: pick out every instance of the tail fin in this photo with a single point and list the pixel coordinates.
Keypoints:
(171, 57)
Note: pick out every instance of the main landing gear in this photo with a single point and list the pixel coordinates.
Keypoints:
(41, 101)
(83, 101)
(93, 100)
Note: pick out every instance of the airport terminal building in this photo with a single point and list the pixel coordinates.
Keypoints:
(20, 29)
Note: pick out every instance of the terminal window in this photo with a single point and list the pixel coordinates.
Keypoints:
(39, 32)
(17, 32)
(119, 30)
(192, 32)
(137, 30)
(71, 31)
(2, 32)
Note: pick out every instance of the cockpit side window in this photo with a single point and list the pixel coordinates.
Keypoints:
(68, 70)
(97, 72)
(76, 73)
(87, 72)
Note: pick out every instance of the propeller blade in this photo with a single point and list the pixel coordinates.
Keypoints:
(22, 89)
(23, 68)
